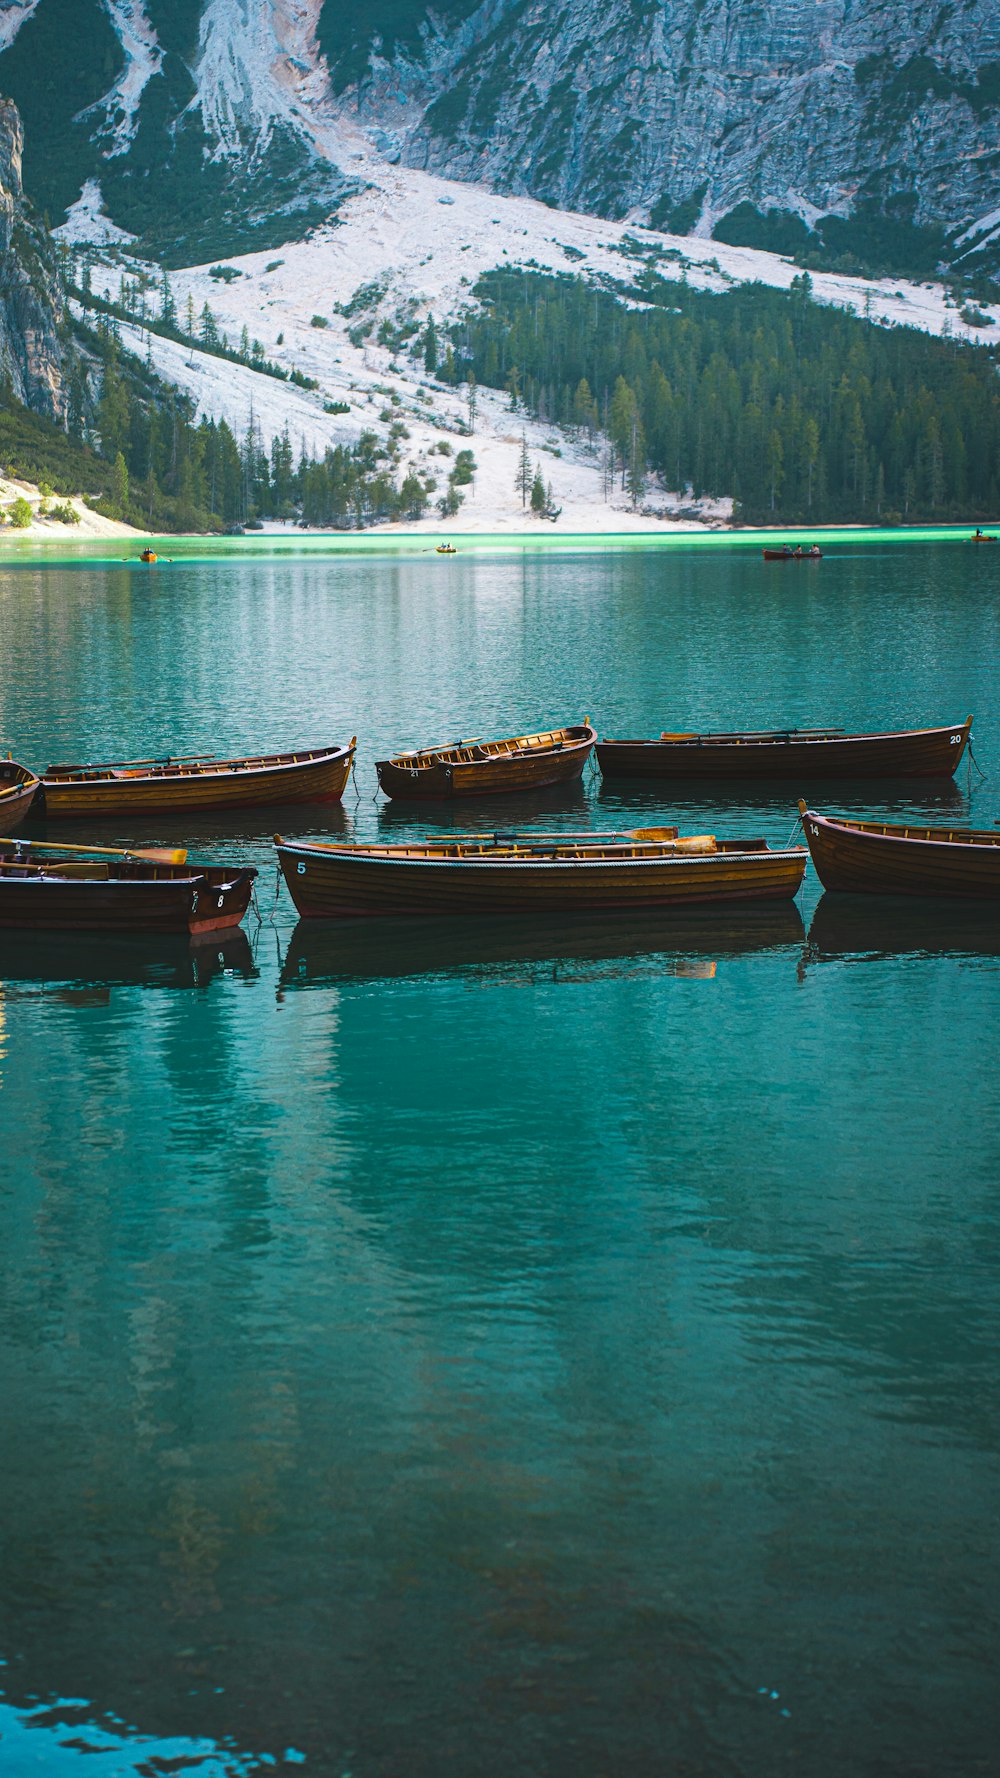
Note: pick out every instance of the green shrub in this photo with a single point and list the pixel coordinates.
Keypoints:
(20, 512)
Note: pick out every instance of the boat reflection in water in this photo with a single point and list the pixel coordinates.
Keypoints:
(869, 926)
(80, 962)
(543, 807)
(688, 942)
(746, 801)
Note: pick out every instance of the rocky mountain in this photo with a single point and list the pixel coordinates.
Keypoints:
(31, 354)
(861, 127)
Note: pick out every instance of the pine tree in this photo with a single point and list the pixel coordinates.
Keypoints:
(523, 478)
(430, 347)
(538, 492)
(119, 486)
(168, 308)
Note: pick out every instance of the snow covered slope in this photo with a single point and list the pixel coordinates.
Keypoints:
(410, 245)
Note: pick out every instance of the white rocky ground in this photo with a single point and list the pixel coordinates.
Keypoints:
(417, 244)
(52, 530)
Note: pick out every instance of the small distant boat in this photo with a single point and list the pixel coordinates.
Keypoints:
(536, 873)
(983, 536)
(148, 555)
(481, 768)
(79, 894)
(446, 549)
(886, 858)
(787, 554)
(18, 789)
(789, 753)
(178, 785)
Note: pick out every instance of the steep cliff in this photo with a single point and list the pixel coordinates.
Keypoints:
(200, 120)
(31, 358)
(211, 124)
(686, 109)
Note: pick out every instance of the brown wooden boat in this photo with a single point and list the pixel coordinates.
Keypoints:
(18, 789)
(178, 785)
(885, 858)
(534, 873)
(481, 768)
(790, 753)
(793, 555)
(74, 894)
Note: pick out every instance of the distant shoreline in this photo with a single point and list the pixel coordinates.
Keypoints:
(291, 540)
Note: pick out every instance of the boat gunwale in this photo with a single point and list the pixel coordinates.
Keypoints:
(571, 738)
(197, 768)
(973, 838)
(507, 861)
(785, 738)
(33, 872)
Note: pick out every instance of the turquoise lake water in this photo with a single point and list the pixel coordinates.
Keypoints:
(568, 1351)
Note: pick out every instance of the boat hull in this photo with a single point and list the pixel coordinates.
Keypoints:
(346, 884)
(872, 859)
(319, 777)
(169, 900)
(494, 774)
(782, 555)
(18, 790)
(914, 753)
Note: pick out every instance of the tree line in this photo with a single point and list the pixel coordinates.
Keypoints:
(800, 411)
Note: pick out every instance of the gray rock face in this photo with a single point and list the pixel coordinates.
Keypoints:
(636, 105)
(205, 127)
(30, 301)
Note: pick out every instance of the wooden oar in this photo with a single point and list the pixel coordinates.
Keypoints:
(152, 854)
(562, 836)
(442, 747)
(111, 765)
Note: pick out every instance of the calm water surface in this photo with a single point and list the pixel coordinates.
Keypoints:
(567, 1350)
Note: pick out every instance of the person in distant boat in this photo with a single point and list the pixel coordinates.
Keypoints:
(815, 550)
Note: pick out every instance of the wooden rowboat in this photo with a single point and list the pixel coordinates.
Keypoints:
(792, 555)
(18, 789)
(790, 753)
(483, 768)
(176, 786)
(885, 858)
(534, 873)
(122, 895)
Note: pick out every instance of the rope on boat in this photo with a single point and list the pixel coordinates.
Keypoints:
(795, 829)
(277, 892)
(354, 775)
(973, 761)
(255, 904)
